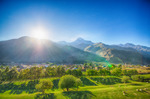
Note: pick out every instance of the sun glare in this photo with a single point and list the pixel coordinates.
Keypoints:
(39, 32)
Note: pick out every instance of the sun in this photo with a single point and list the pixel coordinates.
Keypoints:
(39, 32)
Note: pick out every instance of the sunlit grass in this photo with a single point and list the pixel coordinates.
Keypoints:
(100, 91)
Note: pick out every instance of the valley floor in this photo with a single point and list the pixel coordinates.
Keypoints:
(95, 91)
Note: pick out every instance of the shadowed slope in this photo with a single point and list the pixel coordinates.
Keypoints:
(31, 50)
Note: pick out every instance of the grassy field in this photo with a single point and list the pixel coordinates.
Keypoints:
(93, 88)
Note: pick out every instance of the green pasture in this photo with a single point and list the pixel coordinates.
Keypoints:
(94, 87)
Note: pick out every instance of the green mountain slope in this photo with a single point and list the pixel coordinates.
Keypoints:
(117, 54)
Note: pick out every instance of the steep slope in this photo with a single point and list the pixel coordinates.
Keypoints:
(117, 54)
(31, 50)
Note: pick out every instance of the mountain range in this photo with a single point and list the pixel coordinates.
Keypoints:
(32, 50)
(120, 54)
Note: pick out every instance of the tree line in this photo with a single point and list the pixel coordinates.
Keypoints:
(114, 72)
(7, 74)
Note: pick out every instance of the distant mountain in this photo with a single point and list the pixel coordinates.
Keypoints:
(63, 43)
(119, 54)
(127, 45)
(31, 50)
(79, 43)
(140, 48)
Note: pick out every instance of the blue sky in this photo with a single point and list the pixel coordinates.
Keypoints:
(107, 21)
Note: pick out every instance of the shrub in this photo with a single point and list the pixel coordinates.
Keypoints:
(125, 79)
(116, 72)
(129, 72)
(142, 78)
(91, 72)
(104, 72)
(135, 77)
(76, 73)
(44, 85)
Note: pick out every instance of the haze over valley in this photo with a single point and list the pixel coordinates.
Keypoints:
(33, 50)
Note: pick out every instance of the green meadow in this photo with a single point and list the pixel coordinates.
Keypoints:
(94, 87)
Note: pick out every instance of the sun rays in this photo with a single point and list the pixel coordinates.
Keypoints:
(40, 32)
